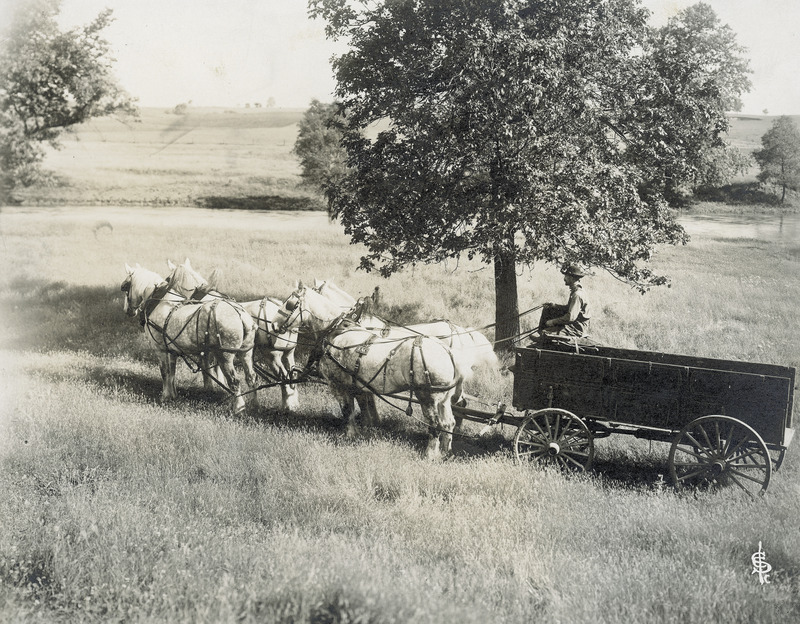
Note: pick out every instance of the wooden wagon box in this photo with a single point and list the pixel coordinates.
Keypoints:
(655, 390)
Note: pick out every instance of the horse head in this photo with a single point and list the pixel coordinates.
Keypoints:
(187, 282)
(139, 285)
(334, 293)
(305, 308)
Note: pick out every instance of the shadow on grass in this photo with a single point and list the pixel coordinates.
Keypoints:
(261, 202)
(51, 316)
(43, 315)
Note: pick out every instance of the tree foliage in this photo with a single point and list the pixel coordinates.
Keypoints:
(698, 74)
(49, 81)
(779, 157)
(319, 148)
(521, 131)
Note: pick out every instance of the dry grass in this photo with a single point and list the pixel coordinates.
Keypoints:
(118, 509)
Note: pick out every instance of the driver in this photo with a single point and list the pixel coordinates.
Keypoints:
(571, 319)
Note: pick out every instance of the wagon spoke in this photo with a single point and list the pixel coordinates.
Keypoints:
(708, 445)
(744, 475)
(688, 450)
(736, 481)
(732, 449)
(541, 431)
(690, 475)
(717, 435)
(549, 432)
(535, 448)
(568, 458)
(749, 454)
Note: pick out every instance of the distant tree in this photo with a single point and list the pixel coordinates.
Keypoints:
(779, 158)
(510, 123)
(319, 147)
(180, 109)
(50, 81)
(700, 73)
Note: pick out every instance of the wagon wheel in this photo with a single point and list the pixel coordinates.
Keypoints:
(556, 437)
(717, 451)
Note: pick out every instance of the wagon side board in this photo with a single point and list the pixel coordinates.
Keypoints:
(654, 390)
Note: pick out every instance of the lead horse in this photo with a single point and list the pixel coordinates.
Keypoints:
(177, 327)
(358, 364)
(274, 343)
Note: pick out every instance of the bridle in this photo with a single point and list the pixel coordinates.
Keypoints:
(126, 288)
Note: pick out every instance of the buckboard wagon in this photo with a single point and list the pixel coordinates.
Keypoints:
(728, 422)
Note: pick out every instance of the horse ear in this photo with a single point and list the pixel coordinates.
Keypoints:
(187, 264)
(300, 285)
(171, 265)
(318, 283)
(128, 269)
(212, 279)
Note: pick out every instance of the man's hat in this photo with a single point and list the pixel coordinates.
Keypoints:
(575, 270)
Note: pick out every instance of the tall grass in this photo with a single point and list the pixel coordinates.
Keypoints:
(116, 508)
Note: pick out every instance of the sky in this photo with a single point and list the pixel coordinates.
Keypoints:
(231, 53)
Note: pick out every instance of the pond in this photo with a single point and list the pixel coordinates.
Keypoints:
(783, 229)
(770, 228)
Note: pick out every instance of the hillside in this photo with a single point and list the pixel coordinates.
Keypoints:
(208, 157)
(212, 157)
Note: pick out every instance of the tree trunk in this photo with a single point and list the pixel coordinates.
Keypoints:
(506, 304)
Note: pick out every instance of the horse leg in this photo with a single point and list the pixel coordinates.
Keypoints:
(440, 416)
(369, 411)
(209, 369)
(372, 407)
(168, 363)
(278, 370)
(347, 404)
(447, 422)
(291, 402)
(246, 360)
(225, 362)
(461, 401)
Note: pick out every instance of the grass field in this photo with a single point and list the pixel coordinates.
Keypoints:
(118, 509)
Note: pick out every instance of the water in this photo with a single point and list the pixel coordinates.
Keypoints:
(784, 229)
(770, 228)
(175, 216)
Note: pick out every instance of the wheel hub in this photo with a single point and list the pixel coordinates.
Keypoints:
(717, 468)
(553, 448)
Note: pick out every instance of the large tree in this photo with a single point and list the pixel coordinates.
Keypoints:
(50, 80)
(779, 156)
(513, 126)
(697, 74)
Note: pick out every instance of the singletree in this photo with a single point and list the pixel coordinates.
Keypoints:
(779, 158)
(520, 131)
(318, 145)
(699, 74)
(49, 81)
